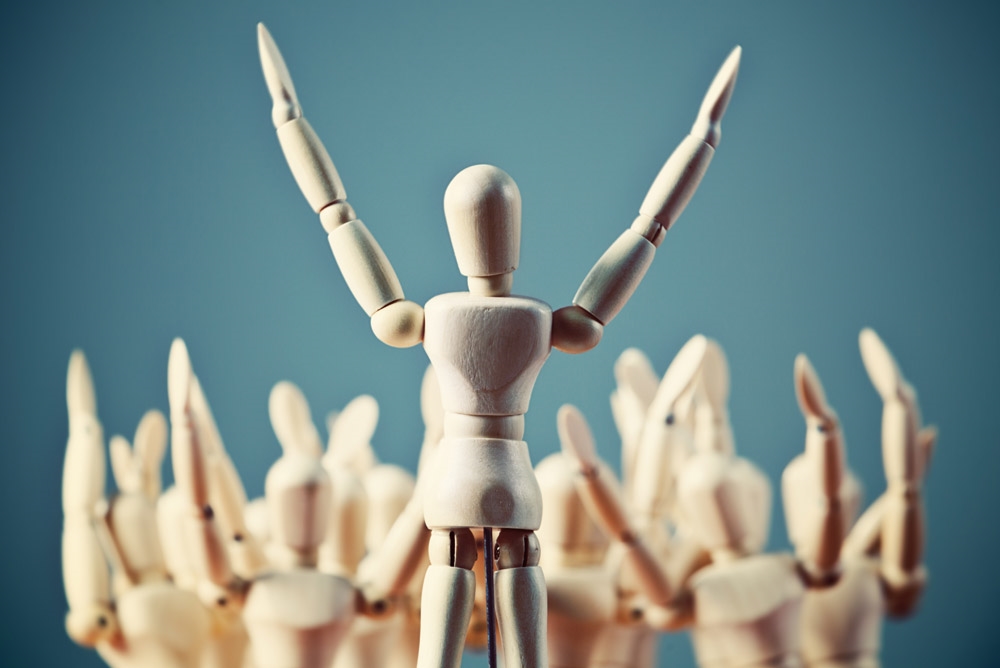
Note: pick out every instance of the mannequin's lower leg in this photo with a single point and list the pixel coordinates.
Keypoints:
(522, 606)
(447, 599)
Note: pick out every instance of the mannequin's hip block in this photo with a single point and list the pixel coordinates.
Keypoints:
(482, 482)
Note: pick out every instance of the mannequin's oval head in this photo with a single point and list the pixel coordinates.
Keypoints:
(482, 207)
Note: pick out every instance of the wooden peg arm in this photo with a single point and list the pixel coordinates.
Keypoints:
(865, 537)
(636, 384)
(388, 572)
(902, 535)
(814, 482)
(662, 436)
(91, 617)
(150, 444)
(365, 267)
(432, 412)
(653, 476)
(603, 503)
(821, 556)
(226, 494)
(207, 552)
(618, 272)
(905, 449)
(230, 501)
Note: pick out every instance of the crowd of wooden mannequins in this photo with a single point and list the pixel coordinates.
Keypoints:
(349, 562)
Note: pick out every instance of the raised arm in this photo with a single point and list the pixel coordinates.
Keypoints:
(349, 445)
(902, 535)
(217, 585)
(365, 267)
(663, 435)
(635, 387)
(712, 430)
(91, 617)
(132, 533)
(349, 456)
(604, 504)
(397, 563)
(816, 487)
(225, 490)
(618, 272)
(865, 538)
(150, 445)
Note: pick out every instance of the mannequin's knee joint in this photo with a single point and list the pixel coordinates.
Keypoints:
(516, 548)
(453, 547)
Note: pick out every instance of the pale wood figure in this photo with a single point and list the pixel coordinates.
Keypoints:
(295, 614)
(227, 496)
(136, 617)
(390, 639)
(375, 495)
(228, 646)
(404, 653)
(648, 414)
(882, 571)
(476, 637)
(487, 347)
(582, 599)
(228, 643)
(622, 637)
(744, 606)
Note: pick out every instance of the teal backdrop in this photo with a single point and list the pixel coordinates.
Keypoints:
(144, 196)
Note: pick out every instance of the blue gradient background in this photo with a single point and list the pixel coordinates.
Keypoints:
(145, 197)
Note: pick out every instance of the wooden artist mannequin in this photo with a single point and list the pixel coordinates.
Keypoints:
(228, 646)
(647, 563)
(744, 606)
(344, 545)
(347, 460)
(881, 556)
(747, 605)
(650, 564)
(391, 639)
(295, 614)
(381, 493)
(582, 600)
(487, 348)
(140, 619)
(404, 653)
